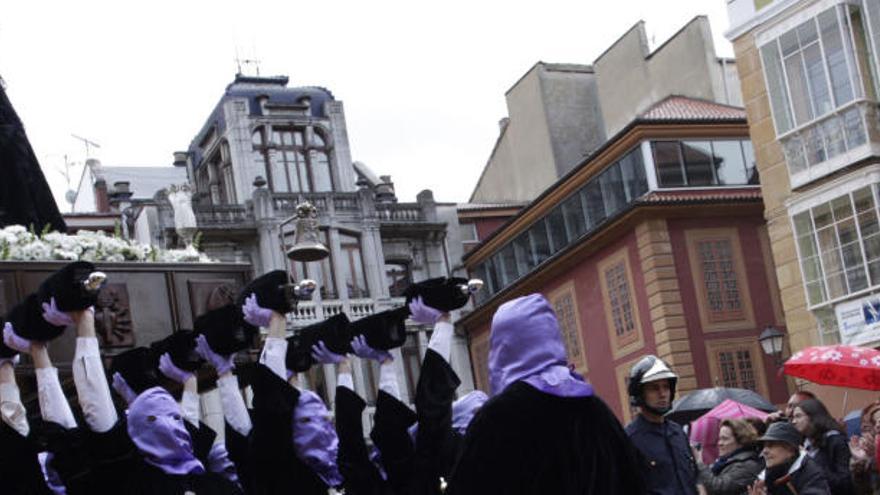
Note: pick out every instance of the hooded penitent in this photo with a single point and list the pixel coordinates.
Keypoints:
(314, 437)
(526, 344)
(155, 425)
(463, 409)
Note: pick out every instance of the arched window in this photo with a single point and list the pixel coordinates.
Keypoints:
(293, 164)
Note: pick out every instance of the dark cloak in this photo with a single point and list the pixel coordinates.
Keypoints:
(19, 468)
(524, 441)
(25, 197)
(360, 474)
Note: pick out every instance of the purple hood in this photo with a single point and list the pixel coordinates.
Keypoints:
(314, 437)
(155, 425)
(526, 344)
(463, 409)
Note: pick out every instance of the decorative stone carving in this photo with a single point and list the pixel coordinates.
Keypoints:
(114, 324)
(205, 295)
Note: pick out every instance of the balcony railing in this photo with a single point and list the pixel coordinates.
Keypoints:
(400, 212)
(223, 216)
(309, 312)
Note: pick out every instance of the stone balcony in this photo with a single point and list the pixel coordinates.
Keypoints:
(309, 312)
(332, 204)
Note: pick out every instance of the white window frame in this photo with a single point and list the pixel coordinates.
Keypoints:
(772, 35)
(826, 194)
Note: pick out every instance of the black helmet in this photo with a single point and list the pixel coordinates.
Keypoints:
(649, 369)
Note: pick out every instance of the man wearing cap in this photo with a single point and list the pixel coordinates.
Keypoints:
(543, 430)
(789, 471)
(667, 461)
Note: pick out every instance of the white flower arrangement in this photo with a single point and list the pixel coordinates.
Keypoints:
(20, 244)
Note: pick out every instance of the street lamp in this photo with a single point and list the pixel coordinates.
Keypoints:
(772, 340)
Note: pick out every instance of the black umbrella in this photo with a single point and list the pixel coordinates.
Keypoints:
(699, 402)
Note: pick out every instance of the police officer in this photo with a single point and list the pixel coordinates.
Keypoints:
(669, 466)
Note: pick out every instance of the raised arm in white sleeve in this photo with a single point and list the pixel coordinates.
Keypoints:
(441, 339)
(275, 347)
(388, 379)
(53, 404)
(234, 409)
(12, 411)
(191, 407)
(92, 389)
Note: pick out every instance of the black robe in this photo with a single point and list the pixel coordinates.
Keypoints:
(20, 471)
(524, 441)
(360, 474)
(391, 436)
(108, 462)
(272, 465)
(436, 443)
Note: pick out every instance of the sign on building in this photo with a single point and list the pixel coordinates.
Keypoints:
(859, 320)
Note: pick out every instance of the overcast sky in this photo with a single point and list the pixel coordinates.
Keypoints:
(423, 83)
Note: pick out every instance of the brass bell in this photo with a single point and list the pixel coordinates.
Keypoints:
(94, 282)
(473, 285)
(306, 246)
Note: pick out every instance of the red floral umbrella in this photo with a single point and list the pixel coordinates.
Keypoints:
(837, 365)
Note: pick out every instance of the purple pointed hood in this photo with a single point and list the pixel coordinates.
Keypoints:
(155, 425)
(314, 437)
(463, 409)
(526, 344)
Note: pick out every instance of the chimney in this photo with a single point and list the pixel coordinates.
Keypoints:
(102, 201)
(180, 158)
(385, 190)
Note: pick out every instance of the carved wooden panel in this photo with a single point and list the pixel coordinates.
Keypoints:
(114, 324)
(205, 295)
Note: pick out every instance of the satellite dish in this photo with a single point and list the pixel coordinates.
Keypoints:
(70, 196)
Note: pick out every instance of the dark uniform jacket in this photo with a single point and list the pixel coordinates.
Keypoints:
(667, 461)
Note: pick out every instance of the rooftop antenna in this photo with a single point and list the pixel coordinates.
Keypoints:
(65, 171)
(88, 143)
(253, 61)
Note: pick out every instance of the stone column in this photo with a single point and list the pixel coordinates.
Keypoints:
(271, 254)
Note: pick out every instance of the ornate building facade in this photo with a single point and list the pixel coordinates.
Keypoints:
(267, 147)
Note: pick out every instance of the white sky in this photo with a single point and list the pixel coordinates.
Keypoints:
(423, 83)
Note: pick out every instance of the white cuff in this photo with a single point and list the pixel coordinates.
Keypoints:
(234, 409)
(388, 379)
(441, 339)
(345, 380)
(53, 404)
(273, 356)
(92, 389)
(12, 411)
(189, 404)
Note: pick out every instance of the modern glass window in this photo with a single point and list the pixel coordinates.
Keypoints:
(540, 242)
(292, 165)
(704, 163)
(605, 195)
(352, 266)
(468, 232)
(816, 80)
(838, 246)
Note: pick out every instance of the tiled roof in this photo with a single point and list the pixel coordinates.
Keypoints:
(701, 196)
(682, 108)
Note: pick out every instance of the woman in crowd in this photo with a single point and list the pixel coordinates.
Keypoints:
(824, 442)
(789, 471)
(738, 464)
(863, 458)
